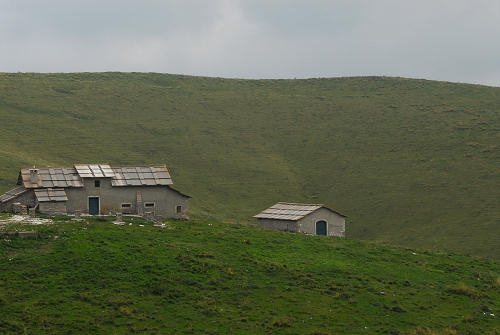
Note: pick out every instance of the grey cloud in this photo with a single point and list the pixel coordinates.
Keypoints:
(440, 39)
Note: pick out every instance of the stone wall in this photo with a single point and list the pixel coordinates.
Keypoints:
(111, 199)
(283, 225)
(52, 207)
(27, 198)
(335, 223)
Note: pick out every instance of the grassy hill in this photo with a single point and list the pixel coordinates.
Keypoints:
(411, 162)
(214, 278)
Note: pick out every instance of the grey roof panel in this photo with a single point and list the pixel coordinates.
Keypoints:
(72, 177)
(49, 194)
(118, 182)
(149, 182)
(48, 184)
(12, 194)
(48, 177)
(290, 211)
(162, 175)
(119, 176)
(94, 170)
(163, 181)
(58, 183)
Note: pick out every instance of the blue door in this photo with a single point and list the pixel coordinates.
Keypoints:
(94, 206)
(321, 228)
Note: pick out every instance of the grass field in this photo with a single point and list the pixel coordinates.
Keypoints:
(411, 162)
(214, 278)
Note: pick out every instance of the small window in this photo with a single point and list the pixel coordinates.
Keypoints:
(126, 205)
(178, 209)
(149, 204)
(97, 183)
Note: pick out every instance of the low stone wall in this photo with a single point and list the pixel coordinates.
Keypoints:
(282, 225)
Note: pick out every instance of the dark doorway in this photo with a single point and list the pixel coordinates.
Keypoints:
(321, 228)
(94, 206)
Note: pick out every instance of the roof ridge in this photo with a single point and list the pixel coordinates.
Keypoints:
(298, 203)
(72, 167)
(293, 214)
(165, 165)
(48, 167)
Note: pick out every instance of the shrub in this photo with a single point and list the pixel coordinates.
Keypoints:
(426, 331)
(281, 323)
(463, 289)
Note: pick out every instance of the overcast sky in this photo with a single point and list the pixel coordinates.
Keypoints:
(453, 40)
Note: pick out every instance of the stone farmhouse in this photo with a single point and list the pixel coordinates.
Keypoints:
(98, 189)
(313, 219)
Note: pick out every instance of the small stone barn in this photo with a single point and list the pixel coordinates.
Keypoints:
(314, 219)
(98, 189)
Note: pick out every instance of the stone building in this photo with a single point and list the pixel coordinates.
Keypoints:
(98, 189)
(311, 219)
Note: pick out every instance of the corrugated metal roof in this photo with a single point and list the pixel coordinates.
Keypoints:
(120, 176)
(52, 177)
(290, 211)
(12, 194)
(94, 170)
(50, 194)
(141, 175)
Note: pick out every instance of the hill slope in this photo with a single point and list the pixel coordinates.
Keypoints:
(213, 278)
(411, 162)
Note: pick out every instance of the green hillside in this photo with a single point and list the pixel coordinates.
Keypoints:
(213, 278)
(411, 162)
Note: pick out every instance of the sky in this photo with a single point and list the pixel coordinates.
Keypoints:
(450, 40)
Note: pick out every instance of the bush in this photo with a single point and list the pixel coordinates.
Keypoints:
(463, 289)
(426, 331)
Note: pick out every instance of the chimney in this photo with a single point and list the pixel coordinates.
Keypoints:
(34, 176)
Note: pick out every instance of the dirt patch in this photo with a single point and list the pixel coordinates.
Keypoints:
(24, 219)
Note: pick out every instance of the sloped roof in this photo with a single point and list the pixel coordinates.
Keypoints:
(51, 177)
(141, 175)
(290, 211)
(179, 192)
(94, 170)
(12, 194)
(50, 194)
(73, 177)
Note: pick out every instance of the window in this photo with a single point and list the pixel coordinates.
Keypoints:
(126, 205)
(178, 209)
(149, 204)
(97, 183)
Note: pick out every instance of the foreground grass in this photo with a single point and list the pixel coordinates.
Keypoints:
(213, 278)
(411, 162)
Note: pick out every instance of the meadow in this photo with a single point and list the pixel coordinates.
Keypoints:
(410, 162)
(207, 277)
